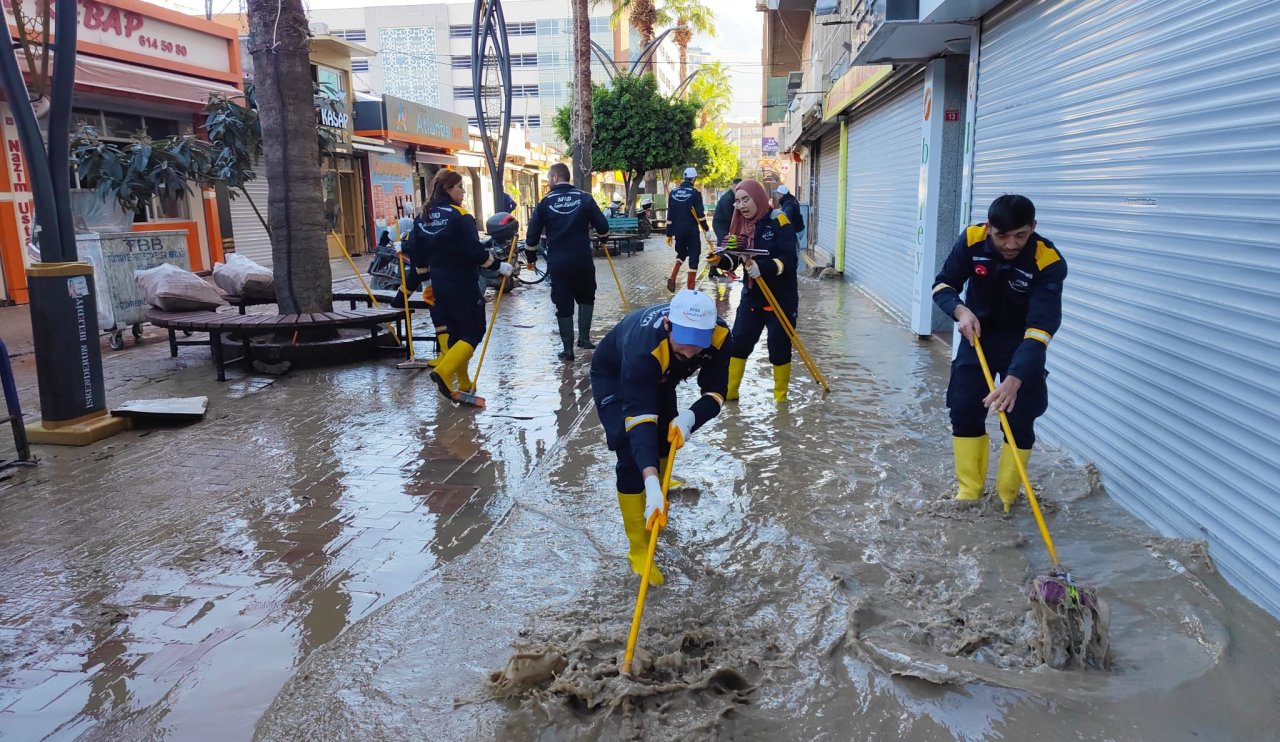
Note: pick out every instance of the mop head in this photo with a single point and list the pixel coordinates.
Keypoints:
(1074, 623)
(415, 363)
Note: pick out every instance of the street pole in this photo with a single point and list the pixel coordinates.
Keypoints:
(64, 317)
(489, 44)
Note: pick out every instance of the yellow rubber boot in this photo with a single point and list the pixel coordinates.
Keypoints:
(971, 457)
(442, 339)
(781, 380)
(446, 370)
(462, 378)
(1008, 480)
(737, 367)
(632, 507)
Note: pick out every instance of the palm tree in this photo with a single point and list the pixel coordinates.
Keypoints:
(713, 90)
(691, 16)
(581, 145)
(280, 41)
(643, 15)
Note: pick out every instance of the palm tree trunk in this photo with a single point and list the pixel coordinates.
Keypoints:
(581, 114)
(280, 45)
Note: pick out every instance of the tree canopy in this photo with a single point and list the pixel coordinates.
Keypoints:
(715, 158)
(637, 129)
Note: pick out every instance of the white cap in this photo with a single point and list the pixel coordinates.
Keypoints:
(782, 190)
(690, 172)
(693, 317)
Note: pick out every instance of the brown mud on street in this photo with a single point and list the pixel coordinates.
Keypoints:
(820, 585)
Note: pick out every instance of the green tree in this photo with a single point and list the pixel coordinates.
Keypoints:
(715, 158)
(637, 129)
(713, 92)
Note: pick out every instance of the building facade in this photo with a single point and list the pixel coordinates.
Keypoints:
(1151, 156)
(424, 56)
(139, 67)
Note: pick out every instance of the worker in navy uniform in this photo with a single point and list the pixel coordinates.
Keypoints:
(758, 227)
(418, 276)
(721, 218)
(686, 218)
(633, 380)
(567, 216)
(1013, 304)
(451, 249)
(790, 206)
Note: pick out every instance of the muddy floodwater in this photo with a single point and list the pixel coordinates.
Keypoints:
(820, 583)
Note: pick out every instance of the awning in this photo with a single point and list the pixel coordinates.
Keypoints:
(373, 148)
(433, 158)
(466, 160)
(116, 78)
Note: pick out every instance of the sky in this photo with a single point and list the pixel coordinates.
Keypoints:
(737, 41)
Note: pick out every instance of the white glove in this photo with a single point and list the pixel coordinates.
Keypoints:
(681, 429)
(399, 247)
(654, 500)
(505, 268)
(753, 269)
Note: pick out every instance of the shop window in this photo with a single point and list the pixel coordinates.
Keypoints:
(121, 125)
(332, 82)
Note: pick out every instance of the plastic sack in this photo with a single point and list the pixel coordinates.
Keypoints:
(242, 277)
(170, 288)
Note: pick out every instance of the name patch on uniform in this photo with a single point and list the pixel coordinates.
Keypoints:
(566, 204)
(766, 233)
(681, 194)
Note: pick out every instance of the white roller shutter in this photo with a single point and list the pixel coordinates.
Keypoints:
(1146, 134)
(247, 230)
(828, 183)
(884, 176)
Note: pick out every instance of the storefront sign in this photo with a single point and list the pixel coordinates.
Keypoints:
(406, 121)
(335, 119)
(851, 86)
(139, 32)
(769, 146)
(390, 190)
(19, 182)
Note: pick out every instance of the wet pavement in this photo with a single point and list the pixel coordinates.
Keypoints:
(335, 554)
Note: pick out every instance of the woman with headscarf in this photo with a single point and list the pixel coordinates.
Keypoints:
(758, 226)
(447, 242)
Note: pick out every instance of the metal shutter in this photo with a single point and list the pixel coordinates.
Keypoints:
(1146, 134)
(828, 183)
(884, 184)
(248, 232)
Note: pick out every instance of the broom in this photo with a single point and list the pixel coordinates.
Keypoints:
(1074, 621)
(413, 361)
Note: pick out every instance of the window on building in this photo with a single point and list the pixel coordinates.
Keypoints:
(460, 32)
(463, 94)
(521, 60)
(359, 65)
(464, 62)
(521, 29)
(332, 82)
(122, 128)
(533, 122)
(530, 91)
(351, 34)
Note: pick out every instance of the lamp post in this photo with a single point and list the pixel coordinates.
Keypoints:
(490, 54)
(64, 318)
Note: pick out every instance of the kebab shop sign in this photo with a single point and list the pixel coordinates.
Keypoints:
(120, 28)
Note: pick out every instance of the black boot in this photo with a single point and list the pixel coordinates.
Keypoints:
(566, 337)
(584, 326)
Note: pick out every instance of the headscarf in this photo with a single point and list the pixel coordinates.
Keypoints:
(740, 225)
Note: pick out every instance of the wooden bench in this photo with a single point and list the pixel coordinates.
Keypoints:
(624, 233)
(247, 326)
(242, 303)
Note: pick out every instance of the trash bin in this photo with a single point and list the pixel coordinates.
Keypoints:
(114, 257)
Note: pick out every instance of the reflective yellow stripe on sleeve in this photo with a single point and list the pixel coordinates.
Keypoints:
(1036, 334)
(631, 422)
(718, 398)
(941, 286)
(781, 268)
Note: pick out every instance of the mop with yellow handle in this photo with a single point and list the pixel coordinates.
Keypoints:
(1074, 622)
(656, 523)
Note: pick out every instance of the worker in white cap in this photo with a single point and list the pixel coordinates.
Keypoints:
(790, 206)
(633, 380)
(685, 217)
